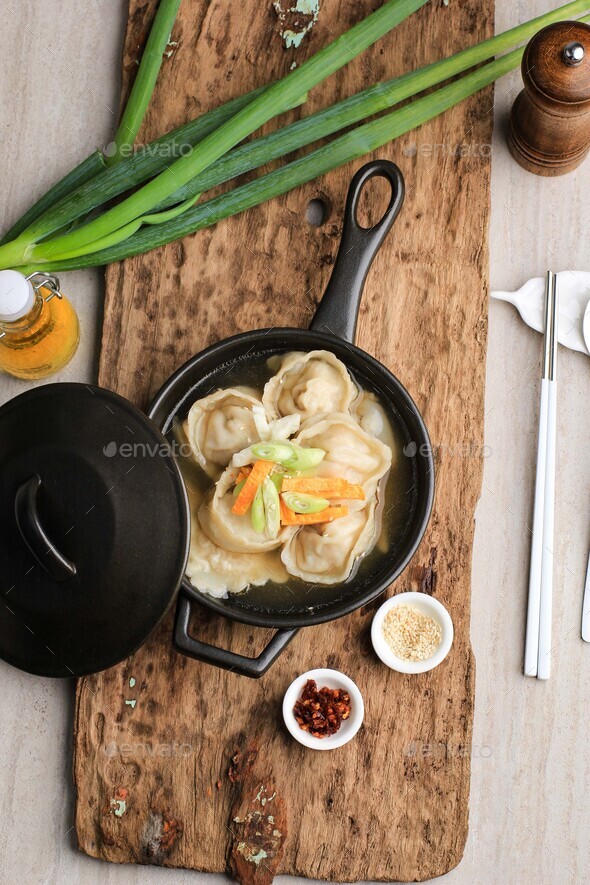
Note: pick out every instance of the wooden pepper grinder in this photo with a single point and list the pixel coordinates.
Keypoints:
(549, 130)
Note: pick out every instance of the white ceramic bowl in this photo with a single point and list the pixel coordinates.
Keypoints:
(428, 606)
(349, 727)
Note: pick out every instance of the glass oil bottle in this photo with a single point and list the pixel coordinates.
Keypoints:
(39, 329)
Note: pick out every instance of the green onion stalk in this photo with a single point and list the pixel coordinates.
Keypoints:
(85, 171)
(277, 98)
(129, 172)
(382, 96)
(145, 80)
(354, 144)
(361, 106)
(184, 218)
(360, 141)
(141, 92)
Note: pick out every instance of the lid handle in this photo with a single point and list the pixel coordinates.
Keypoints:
(27, 519)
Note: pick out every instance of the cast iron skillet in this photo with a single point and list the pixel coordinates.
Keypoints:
(333, 328)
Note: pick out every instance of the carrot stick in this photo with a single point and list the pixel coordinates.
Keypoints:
(289, 517)
(255, 478)
(243, 474)
(324, 487)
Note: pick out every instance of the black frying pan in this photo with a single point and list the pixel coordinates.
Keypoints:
(333, 328)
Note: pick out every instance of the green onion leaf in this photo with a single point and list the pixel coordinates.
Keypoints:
(258, 517)
(130, 171)
(355, 143)
(272, 508)
(273, 102)
(87, 170)
(303, 459)
(145, 80)
(277, 480)
(72, 201)
(301, 503)
(273, 451)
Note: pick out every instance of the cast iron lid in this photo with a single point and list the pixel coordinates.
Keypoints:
(94, 529)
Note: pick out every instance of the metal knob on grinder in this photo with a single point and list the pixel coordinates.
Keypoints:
(549, 130)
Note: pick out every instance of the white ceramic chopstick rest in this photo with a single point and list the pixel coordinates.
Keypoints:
(574, 300)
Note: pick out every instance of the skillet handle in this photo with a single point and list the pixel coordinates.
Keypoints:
(221, 657)
(339, 307)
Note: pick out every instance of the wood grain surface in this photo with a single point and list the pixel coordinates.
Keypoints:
(169, 751)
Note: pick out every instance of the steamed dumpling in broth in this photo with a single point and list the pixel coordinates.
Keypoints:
(319, 429)
(309, 384)
(221, 424)
(327, 553)
(372, 417)
(350, 451)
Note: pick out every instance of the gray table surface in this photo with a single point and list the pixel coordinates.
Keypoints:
(530, 796)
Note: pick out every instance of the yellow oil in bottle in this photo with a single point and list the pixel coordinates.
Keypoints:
(43, 339)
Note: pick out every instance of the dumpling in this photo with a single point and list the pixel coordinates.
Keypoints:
(351, 453)
(219, 425)
(226, 529)
(309, 384)
(372, 417)
(327, 553)
(233, 533)
(216, 571)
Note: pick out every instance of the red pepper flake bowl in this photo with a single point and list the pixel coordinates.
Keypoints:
(330, 679)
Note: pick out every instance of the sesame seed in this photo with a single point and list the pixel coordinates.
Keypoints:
(410, 634)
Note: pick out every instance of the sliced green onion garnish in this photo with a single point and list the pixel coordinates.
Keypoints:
(277, 480)
(288, 455)
(303, 459)
(239, 487)
(272, 508)
(278, 452)
(301, 503)
(258, 518)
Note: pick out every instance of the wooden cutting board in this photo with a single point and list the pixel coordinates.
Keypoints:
(180, 764)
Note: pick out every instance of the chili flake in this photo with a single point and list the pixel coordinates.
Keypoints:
(322, 711)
